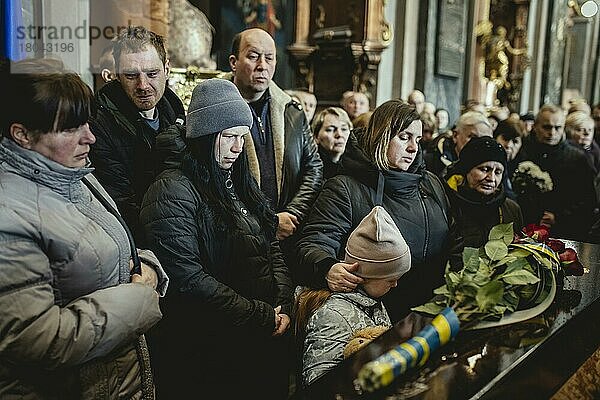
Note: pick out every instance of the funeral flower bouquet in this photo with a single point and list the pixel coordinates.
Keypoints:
(509, 279)
(530, 184)
(529, 177)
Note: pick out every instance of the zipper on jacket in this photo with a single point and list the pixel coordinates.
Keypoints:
(423, 196)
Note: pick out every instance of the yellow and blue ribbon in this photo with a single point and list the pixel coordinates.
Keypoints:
(413, 352)
(541, 249)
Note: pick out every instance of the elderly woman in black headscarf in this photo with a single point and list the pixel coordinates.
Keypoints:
(474, 185)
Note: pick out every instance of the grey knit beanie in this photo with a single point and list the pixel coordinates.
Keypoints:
(216, 104)
(378, 246)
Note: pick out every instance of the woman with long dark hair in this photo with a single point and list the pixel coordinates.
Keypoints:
(206, 218)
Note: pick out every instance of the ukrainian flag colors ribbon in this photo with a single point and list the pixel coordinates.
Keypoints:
(415, 351)
(539, 249)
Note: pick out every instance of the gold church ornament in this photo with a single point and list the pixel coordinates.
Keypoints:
(495, 46)
(183, 81)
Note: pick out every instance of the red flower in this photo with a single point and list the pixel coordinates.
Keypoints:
(537, 232)
(568, 255)
(569, 262)
(556, 245)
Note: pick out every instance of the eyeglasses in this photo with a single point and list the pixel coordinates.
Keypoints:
(549, 127)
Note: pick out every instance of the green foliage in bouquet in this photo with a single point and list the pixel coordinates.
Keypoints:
(500, 277)
(507, 280)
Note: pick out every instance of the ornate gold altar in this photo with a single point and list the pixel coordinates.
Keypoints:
(183, 81)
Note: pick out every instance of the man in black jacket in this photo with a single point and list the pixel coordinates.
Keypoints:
(282, 154)
(132, 110)
(568, 208)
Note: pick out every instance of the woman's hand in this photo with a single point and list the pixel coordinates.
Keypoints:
(148, 277)
(341, 279)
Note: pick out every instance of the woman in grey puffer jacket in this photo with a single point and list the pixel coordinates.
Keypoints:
(71, 315)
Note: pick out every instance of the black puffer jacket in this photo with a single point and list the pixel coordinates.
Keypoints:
(235, 283)
(476, 214)
(416, 201)
(123, 153)
(224, 287)
(572, 199)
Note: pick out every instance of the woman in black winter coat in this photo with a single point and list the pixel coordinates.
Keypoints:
(382, 165)
(476, 191)
(227, 312)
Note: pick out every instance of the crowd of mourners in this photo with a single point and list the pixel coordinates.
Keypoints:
(235, 246)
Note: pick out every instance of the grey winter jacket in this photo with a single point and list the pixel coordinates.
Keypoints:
(71, 323)
(330, 328)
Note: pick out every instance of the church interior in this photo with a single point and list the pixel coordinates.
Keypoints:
(506, 59)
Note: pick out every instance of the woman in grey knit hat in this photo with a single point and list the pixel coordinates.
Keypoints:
(227, 314)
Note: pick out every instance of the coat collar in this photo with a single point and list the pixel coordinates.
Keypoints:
(278, 103)
(113, 98)
(465, 195)
(41, 170)
(356, 164)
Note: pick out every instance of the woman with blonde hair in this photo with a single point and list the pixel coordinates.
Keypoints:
(331, 128)
(383, 166)
(579, 127)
